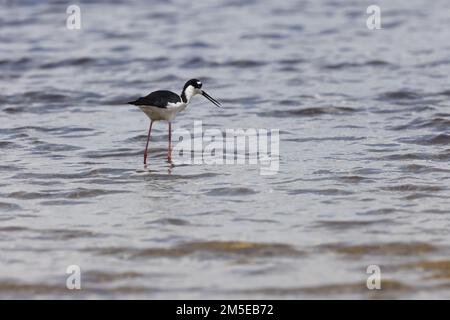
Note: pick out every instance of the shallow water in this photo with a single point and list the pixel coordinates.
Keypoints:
(364, 150)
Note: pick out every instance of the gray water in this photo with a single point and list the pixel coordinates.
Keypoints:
(364, 150)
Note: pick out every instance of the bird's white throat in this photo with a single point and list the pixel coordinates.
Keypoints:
(190, 92)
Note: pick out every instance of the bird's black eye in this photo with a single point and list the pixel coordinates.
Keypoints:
(199, 84)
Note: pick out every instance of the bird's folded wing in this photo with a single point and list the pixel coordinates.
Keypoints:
(158, 99)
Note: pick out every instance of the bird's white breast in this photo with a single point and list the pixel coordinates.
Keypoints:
(167, 114)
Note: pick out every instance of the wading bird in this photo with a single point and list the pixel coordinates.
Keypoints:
(165, 105)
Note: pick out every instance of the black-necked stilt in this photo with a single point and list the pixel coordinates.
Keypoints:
(165, 105)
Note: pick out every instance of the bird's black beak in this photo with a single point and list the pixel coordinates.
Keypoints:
(207, 96)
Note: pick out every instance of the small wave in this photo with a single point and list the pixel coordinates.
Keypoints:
(410, 107)
(436, 123)
(215, 248)
(121, 48)
(109, 277)
(436, 211)
(308, 112)
(13, 229)
(292, 61)
(193, 44)
(244, 63)
(202, 63)
(420, 195)
(445, 155)
(326, 139)
(141, 138)
(263, 36)
(169, 78)
(10, 168)
(440, 139)
(256, 220)
(231, 192)
(413, 188)
(368, 171)
(7, 145)
(391, 25)
(66, 234)
(245, 100)
(45, 147)
(40, 96)
(167, 16)
(45, 101)
(385, 249)
(62, 202)
(322, 192)
(112, 153)
(436, 63)
(444, 93)
(199, 63)
(149, 175)
(353, 179)
(79, 193)
(90, 193)
(399, 95)
(348, 65)
(106, 172)
(422, 169)
(171, 221)
(348, 224)
(16, 64)
(46, 129)
(380, 212)
(103, 62)
(9, 206)
(83, 61)
(436, 269)
(155, 62)
(67, 131)
(14, 110)
(288, 102)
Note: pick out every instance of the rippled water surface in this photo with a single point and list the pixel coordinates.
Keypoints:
(364, 119)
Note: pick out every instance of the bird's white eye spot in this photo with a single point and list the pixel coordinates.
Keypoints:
(199, 83)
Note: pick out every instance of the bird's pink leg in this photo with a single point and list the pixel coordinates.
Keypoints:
(169, 153)
(148, 139)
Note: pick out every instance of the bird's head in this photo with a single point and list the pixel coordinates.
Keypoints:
(193, 87)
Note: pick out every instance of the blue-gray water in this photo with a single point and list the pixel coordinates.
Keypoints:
(364, 150)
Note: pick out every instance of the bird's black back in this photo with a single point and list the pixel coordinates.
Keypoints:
(158, 99)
